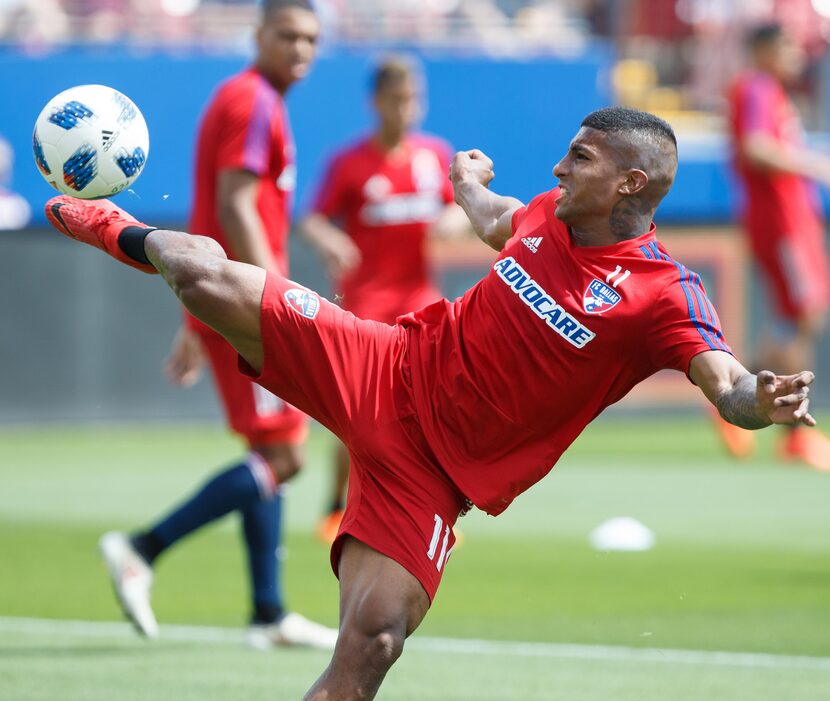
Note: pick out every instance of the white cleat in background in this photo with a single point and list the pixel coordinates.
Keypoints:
(132, 579)
(292, 629)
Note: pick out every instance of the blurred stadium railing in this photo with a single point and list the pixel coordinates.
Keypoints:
(508, 25)
(676, 56)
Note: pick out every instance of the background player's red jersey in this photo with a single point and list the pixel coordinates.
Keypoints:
(508, 375)
(245, 127)
(782, 213)
(775, 201)
(385, 202)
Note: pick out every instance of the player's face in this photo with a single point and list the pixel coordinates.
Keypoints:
(788, 58)
(399, 105)
(589, 179)
(287, 43)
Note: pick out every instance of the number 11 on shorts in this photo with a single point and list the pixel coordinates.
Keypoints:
(433, 544)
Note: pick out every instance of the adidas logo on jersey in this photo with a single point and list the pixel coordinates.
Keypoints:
(532, 242)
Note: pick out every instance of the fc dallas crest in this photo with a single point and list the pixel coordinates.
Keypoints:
(599, 297)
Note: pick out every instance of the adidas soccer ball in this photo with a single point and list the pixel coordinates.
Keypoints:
(90, 141)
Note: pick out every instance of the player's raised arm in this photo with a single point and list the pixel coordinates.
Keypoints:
(752, 401)
(490, 214)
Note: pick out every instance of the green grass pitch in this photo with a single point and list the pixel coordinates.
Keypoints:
(527, 609)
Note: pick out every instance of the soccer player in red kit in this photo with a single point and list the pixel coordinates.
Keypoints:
(467, 403)
(782, 214)
(245, 177)
(379, 200)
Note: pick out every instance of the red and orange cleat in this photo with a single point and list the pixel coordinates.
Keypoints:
(739, 442)
(95, 222)
(807, 446)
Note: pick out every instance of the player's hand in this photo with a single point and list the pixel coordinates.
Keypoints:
(472, 165)
(784, 398)
(340, 255)
(452, 224)
(183, 366)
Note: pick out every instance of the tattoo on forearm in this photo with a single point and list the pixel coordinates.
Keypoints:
(739, 405)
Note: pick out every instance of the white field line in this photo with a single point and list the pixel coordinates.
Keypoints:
(461, 646)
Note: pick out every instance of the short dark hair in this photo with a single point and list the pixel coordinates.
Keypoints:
(623, 119)
(764, 35)
(271, 6)
(393, 70)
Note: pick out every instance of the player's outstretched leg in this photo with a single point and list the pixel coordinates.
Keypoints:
(223, 294)
(381, 604)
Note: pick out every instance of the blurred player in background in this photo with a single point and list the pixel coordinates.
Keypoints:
(245, 173)
(782, 215)
(467, 403)
(15, 212)
(379, 200)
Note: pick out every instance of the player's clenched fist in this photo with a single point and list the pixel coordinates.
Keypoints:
(471, 165)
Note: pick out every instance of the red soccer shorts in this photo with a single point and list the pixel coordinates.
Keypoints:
(796, 269)
(252, 411)
(352, 376)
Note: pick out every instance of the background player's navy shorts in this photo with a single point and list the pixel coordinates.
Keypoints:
(352, 376)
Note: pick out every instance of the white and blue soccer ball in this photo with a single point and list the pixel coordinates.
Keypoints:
(90, 141)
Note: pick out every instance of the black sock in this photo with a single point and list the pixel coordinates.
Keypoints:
(267, 613)
(148, 545)
(131, 242)
(336, 505)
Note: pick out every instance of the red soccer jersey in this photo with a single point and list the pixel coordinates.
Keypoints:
(507, 376)
(385, 202)
(245, 127)
(776, 203)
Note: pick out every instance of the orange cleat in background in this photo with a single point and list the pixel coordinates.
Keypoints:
(328, 527)
(739, 442)
(807, 446)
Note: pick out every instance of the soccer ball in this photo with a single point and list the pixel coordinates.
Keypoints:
(90, 141)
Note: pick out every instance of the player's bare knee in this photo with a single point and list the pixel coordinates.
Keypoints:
(284, 470)
(377, 651)
(193, 272)
(184, 275)
(377, 636)
(284, 461)
(385, 648)
(208, 245)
